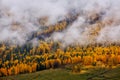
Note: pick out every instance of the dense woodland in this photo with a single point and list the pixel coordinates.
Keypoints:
(15, 59)
(48, 55)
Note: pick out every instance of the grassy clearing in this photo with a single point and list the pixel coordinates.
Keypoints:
(87, 73)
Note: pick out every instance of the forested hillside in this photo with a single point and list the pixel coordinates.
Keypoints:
(57, 33)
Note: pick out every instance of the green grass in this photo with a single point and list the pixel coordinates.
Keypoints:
(52, 74)
(65, 74)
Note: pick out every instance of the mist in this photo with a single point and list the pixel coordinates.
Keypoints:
(99, 22)
(20, 18)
